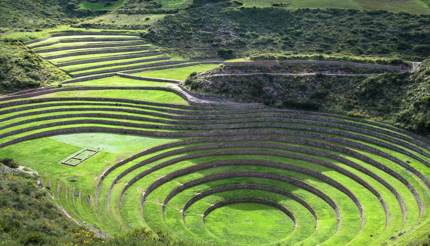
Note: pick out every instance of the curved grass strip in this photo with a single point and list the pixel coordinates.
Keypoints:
(173, 213)
(412, 156)
(84, 39)
(385, 169)
(89, 46)
(162, 58)
(113, 101)
(98, 51)
(306, 226)
(250, 200)
(94, 88)
(287, 118)
(108, 58)
(126, 68)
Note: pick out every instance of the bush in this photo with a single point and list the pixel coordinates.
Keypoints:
(225, 53)
(9, 163)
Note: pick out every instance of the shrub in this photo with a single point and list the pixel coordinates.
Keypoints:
(9, 163)
(225, 53)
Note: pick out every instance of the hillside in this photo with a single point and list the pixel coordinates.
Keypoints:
(29, 13)
(38, 14)
(405, 99)
(209, 29)
(29, 215)
(165, 6)
(21, 69)
(409, 6)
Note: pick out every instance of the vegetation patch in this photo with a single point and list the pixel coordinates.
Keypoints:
(99, 5)
(29, 14)
(153, 6)
(410, 6)
(405, 99)
(221, 29)
(21, 69)
(29, 215)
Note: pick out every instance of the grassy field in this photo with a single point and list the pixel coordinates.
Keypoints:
(150, 96)
(118, 81)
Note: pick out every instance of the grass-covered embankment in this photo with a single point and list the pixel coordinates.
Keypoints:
(21, 69)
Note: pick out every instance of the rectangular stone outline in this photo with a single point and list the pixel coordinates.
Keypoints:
(74, 160)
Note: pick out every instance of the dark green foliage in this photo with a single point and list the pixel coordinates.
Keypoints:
(9, 163)
(27, 15)
(28, 216)
(148, 7)
(382, 94)
(415, 108)
(405, 99)
(30, 13)
(22, 69)
(226, 53)
(205, 29)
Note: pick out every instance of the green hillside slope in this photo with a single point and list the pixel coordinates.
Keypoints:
(410, 6)
(29, 216)
(22, 69)
(405, 99)
(209, 29)
(29, 13)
